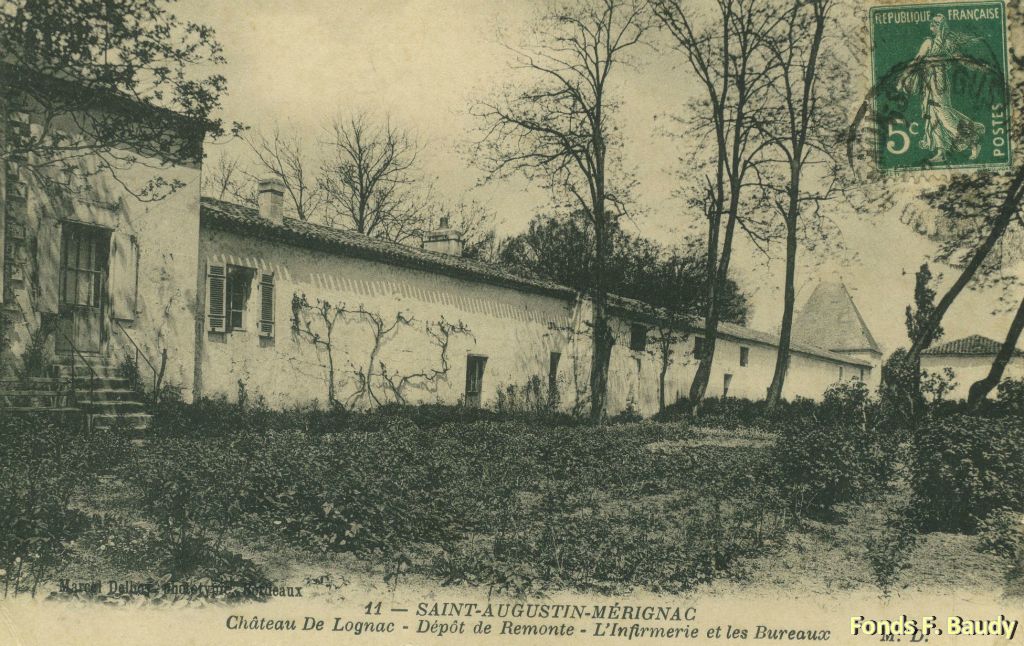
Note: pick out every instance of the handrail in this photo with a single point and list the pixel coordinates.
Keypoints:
(140, 353)
(92, 377)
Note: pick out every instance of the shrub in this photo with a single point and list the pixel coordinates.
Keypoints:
(848, 401)
(889, 551)
(964, 468)
(1002, 533)
(1010, 397)
(43, 458)
(900, 401)
(528, 398)
(819, 464)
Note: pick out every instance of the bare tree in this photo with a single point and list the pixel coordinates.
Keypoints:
(558, 130)
(808, 95)
(227, 179)
(370, 179)
(284, 156)
(729, 53)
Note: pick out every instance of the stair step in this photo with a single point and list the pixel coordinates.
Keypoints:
(107, 394)
(114, 406)
(132, 421)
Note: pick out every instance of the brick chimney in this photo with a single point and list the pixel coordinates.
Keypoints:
(444, 239)
(271, 199)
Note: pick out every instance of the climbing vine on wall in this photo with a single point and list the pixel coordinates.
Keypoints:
(372, 380)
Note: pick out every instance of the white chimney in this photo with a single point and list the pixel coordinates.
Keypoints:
(271, 199)
(444, 239)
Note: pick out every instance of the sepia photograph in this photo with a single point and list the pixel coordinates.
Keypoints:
(416, 322)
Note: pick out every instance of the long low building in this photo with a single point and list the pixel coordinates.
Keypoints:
(217, 299)
(415, 325)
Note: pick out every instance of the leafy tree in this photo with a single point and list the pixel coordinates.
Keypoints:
(107, 80)
(561, 250)
(922, 310)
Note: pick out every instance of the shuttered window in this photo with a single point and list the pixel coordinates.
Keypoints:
(48, 255)
(124, 275)
(216, 286)
(267, 305)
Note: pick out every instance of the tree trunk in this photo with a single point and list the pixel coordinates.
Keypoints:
(700, 378)
(1002, 221)
(600, 359)
(774, 395)
(666, 357)
(703, 375)
(603, 338)
(981, 388)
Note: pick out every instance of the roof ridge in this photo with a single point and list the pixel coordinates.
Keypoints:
(249, 216)
(972, 344)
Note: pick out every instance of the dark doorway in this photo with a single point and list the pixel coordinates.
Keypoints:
(475, 365)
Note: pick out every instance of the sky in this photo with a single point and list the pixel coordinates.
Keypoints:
(302, 63)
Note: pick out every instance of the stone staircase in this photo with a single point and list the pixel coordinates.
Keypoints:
(105, 396)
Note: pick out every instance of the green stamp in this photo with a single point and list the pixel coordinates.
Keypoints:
(940, 86)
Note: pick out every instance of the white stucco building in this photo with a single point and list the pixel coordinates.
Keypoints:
(234, 297)
(256, 263)
(970, 359)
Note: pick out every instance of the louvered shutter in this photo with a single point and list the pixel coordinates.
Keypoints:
(216, 287)
(124, 275)
(267, 305)
(48, 242)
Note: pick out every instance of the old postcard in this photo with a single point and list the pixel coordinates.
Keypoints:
(414, 322)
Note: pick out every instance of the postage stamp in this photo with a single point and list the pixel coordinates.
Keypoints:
(941, 90)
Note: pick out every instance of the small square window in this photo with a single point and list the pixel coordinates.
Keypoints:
(637, 337)
(744, 357)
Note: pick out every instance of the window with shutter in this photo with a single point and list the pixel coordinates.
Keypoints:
(48, 254)
(216, 283)
(124, 275)
(267, 305)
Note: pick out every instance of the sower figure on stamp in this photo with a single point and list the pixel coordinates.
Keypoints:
(945, 128)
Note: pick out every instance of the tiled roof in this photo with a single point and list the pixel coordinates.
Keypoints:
(969, 345)
(832, 321)
(735, 332)
(234, 217)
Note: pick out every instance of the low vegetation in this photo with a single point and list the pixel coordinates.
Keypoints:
(522, 502)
